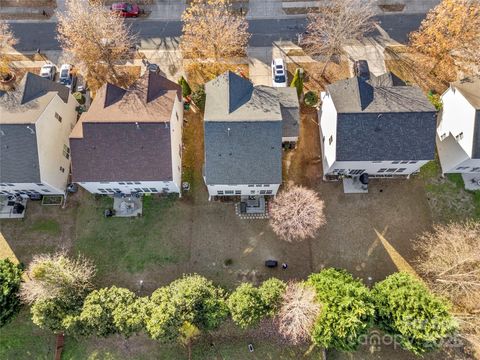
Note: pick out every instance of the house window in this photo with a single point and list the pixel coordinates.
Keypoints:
(176, 115)
(121, 183)
(263, 192)
(146, 189)
(66, 151)
(45, 190)
(391, 170)
(459, 136)
(401, 169)
(109, 190)
(250, 185)
(10, 185)
(129, 183)
(269, 192)
(39, 184)
(58, 117)
(443, 136)
(382, 170)
(258, 185)
(330, 140)
(476, 169)
(266, 185)
(153, 190)
(220, 192)
(228, 192)
(3, 184)
(62, 169)
(138, 189)
(252, 191)
(238, 192)
(395, 162)
(165, 190)
(412, 162)
(137, 182)
(403, 162)
(117, 190)
(356, 171)
(102, 190)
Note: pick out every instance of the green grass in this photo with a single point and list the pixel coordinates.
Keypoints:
(430, 170)
(21, 339)
(130, 244)
(48, 226)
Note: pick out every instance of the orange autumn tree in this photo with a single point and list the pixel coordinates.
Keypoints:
(449, 39)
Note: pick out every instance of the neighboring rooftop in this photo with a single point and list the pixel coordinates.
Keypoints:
(26, 103)
(381, 94)
(290, 109)
(243, 152)
(243, 131)
(125, 135)
(233, 98)
(470, 89)
(382, 119)
(18, 154)
(149, 99)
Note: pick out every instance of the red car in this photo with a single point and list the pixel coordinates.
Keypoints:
(126, 9)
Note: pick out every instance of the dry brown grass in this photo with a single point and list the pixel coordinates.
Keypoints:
(313, 80)
(28, 3)
(200, 73)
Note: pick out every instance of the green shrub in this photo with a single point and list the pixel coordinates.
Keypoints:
(10, 279)
(109, 311)
(435, 99)
(199, 96)
(186, 90)
(347, 312)
(311, 99)
(406, 309)
(248, 304)
(79, 97)
(192, 299)
(297, 82)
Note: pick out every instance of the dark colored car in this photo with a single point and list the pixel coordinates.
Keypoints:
(126, 9)
(360, 68)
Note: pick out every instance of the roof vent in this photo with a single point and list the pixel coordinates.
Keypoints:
(228, 131)
(138, 126)
(31, 130)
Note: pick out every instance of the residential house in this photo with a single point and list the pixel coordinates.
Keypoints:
(379, 126)
(35, 122)
(130, 140)
(244, 129)
(458, 132)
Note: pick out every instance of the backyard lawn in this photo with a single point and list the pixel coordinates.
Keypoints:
(191, 234)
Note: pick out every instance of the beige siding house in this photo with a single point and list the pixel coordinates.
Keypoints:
(35, 123)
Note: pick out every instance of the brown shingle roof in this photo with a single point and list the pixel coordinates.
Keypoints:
(125, 135)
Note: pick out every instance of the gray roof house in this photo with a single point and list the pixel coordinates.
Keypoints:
(244, 127)
(368, 126)
(38, 111)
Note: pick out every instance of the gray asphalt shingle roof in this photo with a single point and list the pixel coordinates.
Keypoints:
(248, 153)
(18, 154)
(380, 120)
(243, 132)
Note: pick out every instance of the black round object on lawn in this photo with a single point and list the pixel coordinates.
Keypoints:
(271, 263)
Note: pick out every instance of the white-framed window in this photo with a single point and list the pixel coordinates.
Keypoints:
(391, 170)
(412, 162)
(395, 162)
(330, 140)
(58, 117)
(401, 170)
(62, 169)
(220, 192)
(228, 192)
(459, 136)
(382, 170)
(238, 192)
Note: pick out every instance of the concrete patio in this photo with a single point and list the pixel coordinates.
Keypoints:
(354, 186)
(471, 181)
(130, 206)
(9, 207)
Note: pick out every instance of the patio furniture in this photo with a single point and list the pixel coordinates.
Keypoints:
(271, 263)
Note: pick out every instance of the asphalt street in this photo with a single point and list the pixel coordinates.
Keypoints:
(154, 33)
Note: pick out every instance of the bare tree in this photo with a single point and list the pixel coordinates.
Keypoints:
(94, 38)
(450, 262)
(449, 39)
(7, 39)
(212, 31)
(57, 275)
(337, 22)
(296, 213)
(298, 313)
